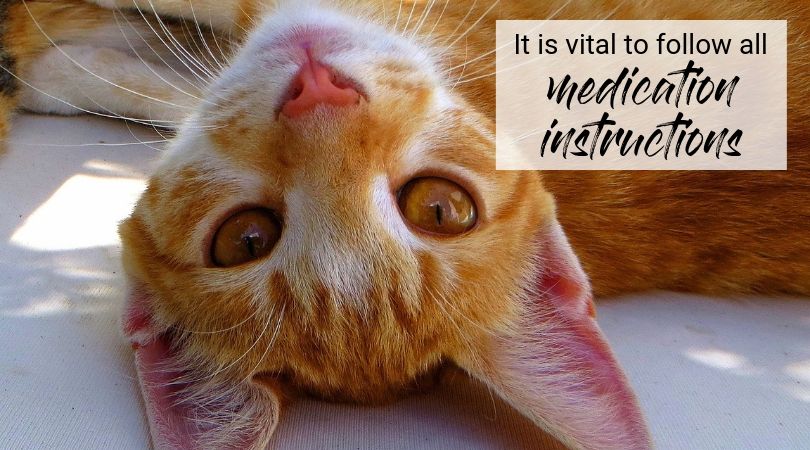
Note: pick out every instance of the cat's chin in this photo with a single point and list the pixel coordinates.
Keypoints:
(374, 395)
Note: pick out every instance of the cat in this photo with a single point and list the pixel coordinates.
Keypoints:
(328, 219)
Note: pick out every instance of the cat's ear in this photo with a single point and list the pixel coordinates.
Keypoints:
(554, 364)
(194, 411)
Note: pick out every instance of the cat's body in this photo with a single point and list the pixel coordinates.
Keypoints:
(715, 233)
(355, 302)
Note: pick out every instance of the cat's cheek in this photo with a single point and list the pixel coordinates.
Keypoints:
(554, 364)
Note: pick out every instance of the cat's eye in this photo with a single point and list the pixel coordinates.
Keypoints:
(244, 237)
(437, 205)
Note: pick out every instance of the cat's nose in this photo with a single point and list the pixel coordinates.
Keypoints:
(317, 84)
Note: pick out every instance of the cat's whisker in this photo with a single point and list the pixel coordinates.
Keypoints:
(82, 67)
(214, 34)
(464, 68)
(169, 66)
(165, 64)
(458, 26)
(223, 330)
(384, 12)
(88, 144)
(170, 48)
(270, 344)
(475, 24)
(485, 54)
(210, 380)
(494, 73)
(253, 22)
(506, 69)
(267, 323)
(410, 16)
(475, 361)
(147, 143)
(219, 63)
(203, 53)
(157, 54)
(196, 60)
(399, 13)
(425, 14)
(184, 56)
(438, 19)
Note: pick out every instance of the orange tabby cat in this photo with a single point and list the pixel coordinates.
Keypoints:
(329, 220)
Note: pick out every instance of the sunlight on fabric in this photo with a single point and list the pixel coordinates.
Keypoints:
(83, 274)
(111, 168)
(84, 212)
(49, 306)
(799, 370)
(723, 360)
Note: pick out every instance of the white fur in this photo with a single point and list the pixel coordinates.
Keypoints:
(384, 205)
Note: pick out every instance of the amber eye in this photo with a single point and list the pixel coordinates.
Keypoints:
(437, 205)
(245, 236)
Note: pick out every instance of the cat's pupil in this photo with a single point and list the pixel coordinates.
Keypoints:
(250, 242)
(245, 236)
(437, 205)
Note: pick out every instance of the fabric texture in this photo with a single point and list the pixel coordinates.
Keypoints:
(709, 373)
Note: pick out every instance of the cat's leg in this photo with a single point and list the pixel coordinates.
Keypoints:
(70, 79)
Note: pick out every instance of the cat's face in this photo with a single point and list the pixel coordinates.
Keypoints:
(350, 249)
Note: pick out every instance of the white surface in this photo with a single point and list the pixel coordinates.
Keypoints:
(710, 374)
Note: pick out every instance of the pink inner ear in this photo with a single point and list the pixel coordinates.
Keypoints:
(137, 319)
(191, 411)
(170, 423)
(557, 368)
(562, 281)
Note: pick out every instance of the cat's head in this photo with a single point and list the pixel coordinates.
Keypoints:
(330, 220)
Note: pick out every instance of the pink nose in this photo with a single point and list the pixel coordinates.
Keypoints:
(315, 85)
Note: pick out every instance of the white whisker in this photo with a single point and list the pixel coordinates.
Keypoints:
(179, 58)
(399, 13)
(180, 47)
(165, 64)
(460, 23)
(204, 40)
(554, 14)
(423, 17)
(471, 27)
(438, 20)
(71, 59)
(464, 67)
(410, 16)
